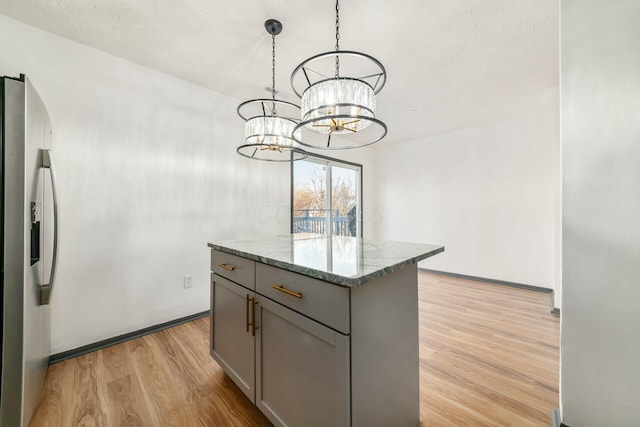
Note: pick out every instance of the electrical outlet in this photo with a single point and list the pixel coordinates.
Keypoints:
(186, 282)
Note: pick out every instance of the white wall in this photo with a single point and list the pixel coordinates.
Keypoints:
(600, 88)
(148, 175)
(486, 193)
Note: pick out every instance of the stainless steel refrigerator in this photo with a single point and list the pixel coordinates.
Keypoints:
(28, 236)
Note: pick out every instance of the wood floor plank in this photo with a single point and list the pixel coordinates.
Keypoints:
(129, 408)
(162, 393)
(115, 363)
(489, 356)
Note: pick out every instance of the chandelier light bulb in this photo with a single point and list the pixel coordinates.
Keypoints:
(336, 97)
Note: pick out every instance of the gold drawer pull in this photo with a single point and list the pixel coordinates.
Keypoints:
(281, 288)
(227, 267)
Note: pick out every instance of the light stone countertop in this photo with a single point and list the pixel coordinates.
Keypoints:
(344, 261)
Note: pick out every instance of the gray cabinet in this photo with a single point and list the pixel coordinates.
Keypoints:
(302, 369)
(238, 269)
(311, 353)
(232, 344)
(294, 369)
(318, 300)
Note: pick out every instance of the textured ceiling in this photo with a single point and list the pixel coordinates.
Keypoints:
(450, 64)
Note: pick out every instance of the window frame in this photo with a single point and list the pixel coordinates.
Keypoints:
(330, 161)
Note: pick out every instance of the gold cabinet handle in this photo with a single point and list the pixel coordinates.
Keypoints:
(227, 267)
(281, 288)
(246, 312)
(254, 303)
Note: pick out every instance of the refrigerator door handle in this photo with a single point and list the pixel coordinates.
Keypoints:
(47, 163)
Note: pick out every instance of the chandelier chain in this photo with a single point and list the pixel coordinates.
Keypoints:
(337, 37)
(273, 74)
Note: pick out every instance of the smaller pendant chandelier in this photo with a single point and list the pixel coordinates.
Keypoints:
(270, 123)
(344, 105)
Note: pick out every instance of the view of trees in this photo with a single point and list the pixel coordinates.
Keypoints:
(344, 195)
(311, 194)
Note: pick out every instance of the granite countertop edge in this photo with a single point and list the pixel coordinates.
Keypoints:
(326, 276)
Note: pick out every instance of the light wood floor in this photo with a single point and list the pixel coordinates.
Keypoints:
(488, 357)
(489, 354)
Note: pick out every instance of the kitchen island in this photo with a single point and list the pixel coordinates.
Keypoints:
(320, 330)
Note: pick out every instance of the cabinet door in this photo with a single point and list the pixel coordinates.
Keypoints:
(302, 369)
(232, 344)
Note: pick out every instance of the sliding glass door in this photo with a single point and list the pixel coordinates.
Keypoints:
(326, 197)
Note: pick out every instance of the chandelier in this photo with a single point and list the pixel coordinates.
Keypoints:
(338, 98)
(270, 124)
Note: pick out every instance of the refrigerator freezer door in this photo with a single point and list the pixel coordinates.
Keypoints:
(26, 329)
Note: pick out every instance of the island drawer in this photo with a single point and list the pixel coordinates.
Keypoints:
(321, 301)
(238, 269)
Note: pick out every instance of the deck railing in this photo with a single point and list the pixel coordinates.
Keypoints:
(315, 221)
